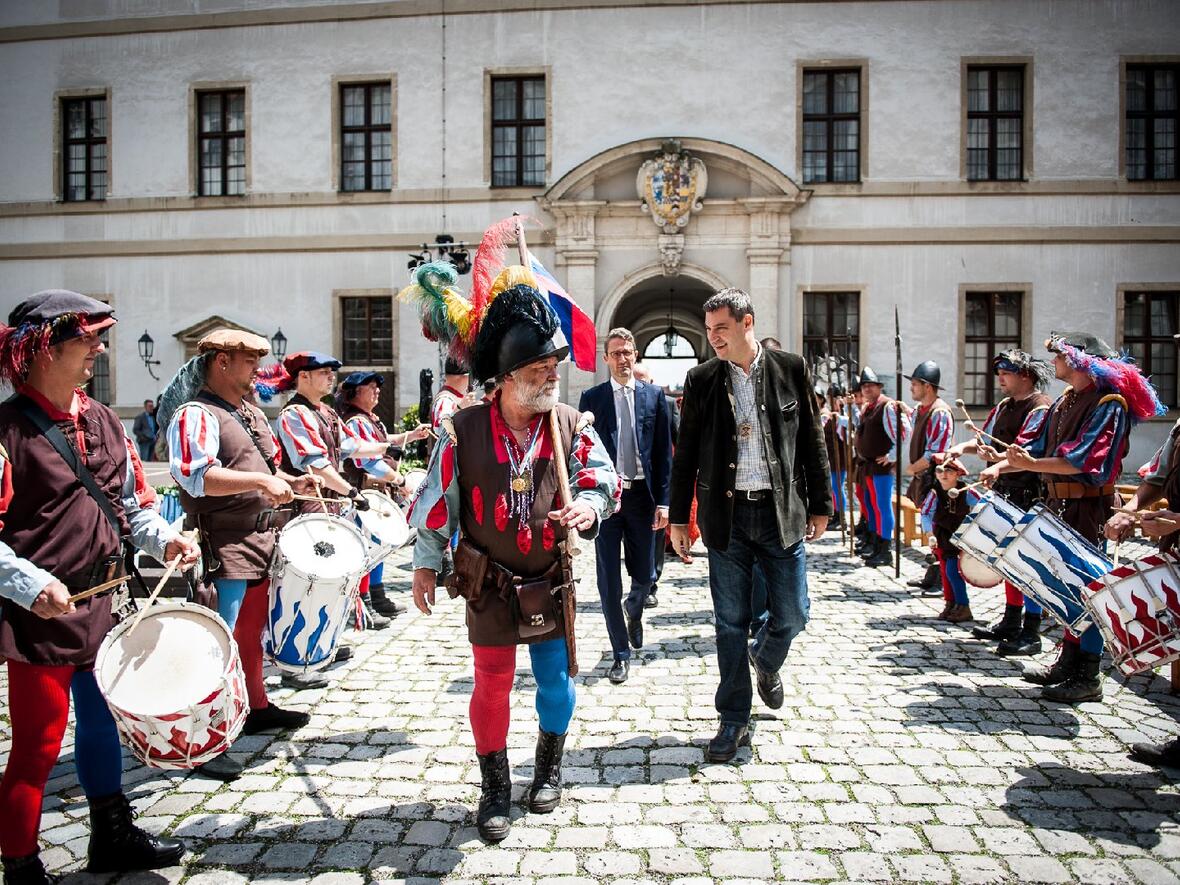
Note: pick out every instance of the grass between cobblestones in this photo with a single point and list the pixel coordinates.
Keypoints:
(905, 751)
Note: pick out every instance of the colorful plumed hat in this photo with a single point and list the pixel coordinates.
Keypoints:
(43, 320)
(446, 316)
(1110, 370)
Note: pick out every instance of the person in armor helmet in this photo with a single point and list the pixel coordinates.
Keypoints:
(934, 429)
(883, 426)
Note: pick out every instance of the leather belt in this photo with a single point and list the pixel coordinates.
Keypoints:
(753, 494)
(262, 521)
(1069, 490)
(627, 483)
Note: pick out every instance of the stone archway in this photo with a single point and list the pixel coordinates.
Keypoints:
(608, 244)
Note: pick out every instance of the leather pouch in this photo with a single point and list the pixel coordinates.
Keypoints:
(536, 612)
(470, 568)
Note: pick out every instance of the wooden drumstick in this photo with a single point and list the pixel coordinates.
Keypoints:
(172, 565)
(962, 407)
(954, 493)
(94, 591)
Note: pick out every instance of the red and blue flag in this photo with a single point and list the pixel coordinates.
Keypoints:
(576, 326)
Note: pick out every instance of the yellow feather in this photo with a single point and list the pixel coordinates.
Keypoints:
(512, 275)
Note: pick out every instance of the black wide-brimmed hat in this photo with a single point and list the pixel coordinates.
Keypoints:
(518, 329)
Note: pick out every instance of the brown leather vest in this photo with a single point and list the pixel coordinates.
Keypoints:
(871, 439)
(948, 516)
(1086, 515)
(243, 553)
(918, 436)
(55, 524)
(484, 492)
(1022, 488)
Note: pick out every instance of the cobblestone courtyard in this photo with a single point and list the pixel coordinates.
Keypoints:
(905, 751)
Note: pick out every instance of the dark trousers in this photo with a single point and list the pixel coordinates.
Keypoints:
(658, 552)
(754, 541)
(630, 529)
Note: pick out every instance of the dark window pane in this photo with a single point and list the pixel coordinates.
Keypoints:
(211, 112)
(366, 139)
(504, 100)
(534, 100)
(75, 119)
(1164, 98)
(519, 138)
(236, 110)
(1149, 126)
(354, 106)
(379, 106)
(1136, 89)
(846, 92)
(1008, 90)
(977, 90)
(98, 118)
(815, 93)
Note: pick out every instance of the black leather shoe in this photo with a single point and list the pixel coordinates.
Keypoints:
(343, 653)
(635, 631)
(272, 717)
(619, 671)
(222, 768)
(27, 870)
(883, 555)
(382, 603)
(725, 743)
(1159, 755)
(651, 601)
(770, 686)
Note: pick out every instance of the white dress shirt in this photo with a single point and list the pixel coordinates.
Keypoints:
(629, 396)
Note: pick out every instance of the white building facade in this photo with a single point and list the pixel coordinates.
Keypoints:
(994, 169)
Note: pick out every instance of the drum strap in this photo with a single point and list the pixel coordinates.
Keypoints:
(249, 428)
(57, 439)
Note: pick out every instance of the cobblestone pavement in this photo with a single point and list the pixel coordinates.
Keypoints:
(905, 751)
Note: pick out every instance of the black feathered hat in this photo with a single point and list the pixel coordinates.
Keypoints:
(518, 329)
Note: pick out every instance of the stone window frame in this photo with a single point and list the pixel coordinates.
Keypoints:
(1144, 183)
(111, 342)
(862, 292)
(861, 64)
(545, 71)
(194, 134)
(393, 368)
(1121, 290)
(338, 81)
(1026, 305)
(1027, 128)
(59, 97)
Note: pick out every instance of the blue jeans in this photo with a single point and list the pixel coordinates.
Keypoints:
(754, 539)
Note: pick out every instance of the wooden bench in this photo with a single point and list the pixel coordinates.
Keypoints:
(909, 522)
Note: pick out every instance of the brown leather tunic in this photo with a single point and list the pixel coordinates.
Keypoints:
(1068, 415)
(225, 520)
(1022, 489)
(872, 441)
(948, 516)
(484, 491)
(328, 427)
(56, 525)
(923, 482)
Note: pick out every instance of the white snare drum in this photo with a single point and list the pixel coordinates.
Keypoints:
(976, 573)
(323, 559)
(984, 527)
(1137, 608)
(175, 685)
(384, 523)
(1052, 563)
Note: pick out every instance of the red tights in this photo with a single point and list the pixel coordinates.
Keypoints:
(248, 635)
(495, 669)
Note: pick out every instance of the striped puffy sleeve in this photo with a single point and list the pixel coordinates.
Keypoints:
(926, 513)
(1097, 451)
(299, 432)
(194, 438)
(1033, 422)
(364, 430)
(889, 419)
(989, 426)
(434, 509)
(592, 476)
(1155, 472)
(939, 430)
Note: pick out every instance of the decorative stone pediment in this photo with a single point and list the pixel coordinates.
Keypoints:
(189, 336)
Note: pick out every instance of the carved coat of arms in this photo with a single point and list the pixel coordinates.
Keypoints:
(672, 185)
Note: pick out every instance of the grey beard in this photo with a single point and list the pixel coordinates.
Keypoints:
(538, 401)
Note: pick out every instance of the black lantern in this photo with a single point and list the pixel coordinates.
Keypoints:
(670, 336)
(447, 249)
(278, 345)
(147, 347)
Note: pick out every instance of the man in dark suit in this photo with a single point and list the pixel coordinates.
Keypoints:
(632, 418)
(752, 447)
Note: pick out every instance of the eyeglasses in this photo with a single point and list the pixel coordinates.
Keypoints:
(621, 354)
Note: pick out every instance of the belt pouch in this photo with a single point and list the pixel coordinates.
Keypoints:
(536, 613)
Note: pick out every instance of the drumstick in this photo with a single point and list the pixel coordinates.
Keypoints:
(962, 407)
(954, 493)
(172, 564)
(94, 591)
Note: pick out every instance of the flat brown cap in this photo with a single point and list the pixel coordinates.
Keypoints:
(233, 339)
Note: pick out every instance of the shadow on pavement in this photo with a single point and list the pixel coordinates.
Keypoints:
(1127, 808)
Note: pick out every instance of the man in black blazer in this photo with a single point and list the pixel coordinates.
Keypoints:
(751, 446)
(632, 419)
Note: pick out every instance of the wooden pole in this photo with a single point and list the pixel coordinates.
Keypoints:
(94, 591)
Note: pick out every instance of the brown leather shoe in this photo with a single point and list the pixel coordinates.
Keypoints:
(960, 613)
(946, 610)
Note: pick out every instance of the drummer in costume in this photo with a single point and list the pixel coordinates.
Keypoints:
(1079, 453)
(492, 477)
(57, 540)
(942, 514)
(315, 441)
(877, 444)
(359, 394)
(224, 457)
(934, 430)
(1017, 418)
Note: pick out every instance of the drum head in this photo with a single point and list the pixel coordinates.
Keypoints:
(384, 520)
(976, 573)
(175, 658)
(323, 545)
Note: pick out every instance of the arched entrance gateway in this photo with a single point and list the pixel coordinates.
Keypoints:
(646, 231)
